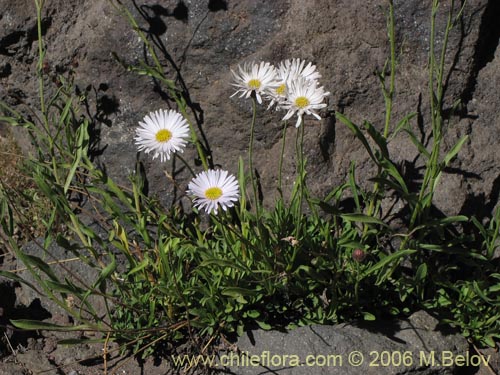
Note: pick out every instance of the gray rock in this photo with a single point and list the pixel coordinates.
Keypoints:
(202, 40)
(37, 362)
(346, 39)
(65, 265)
(413, 346)
(478, 158)
(12, 369)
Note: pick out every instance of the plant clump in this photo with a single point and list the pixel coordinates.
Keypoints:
(225, 263)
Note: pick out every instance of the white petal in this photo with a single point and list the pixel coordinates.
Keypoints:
(299, 120)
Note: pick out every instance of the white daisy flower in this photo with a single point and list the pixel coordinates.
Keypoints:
(278, 95)
(258, 78)
(304, 96)
(162, 132)
(213, 188)
(287, 71)
(295, 68)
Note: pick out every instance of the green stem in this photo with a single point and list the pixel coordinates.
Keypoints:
(299, 145)
(436, 94)
(388, 98)
(390, 94)
(241, 259)
(282, 155)
(41, 90)
(159, 74)
(41, 55)
(186, 164)
(250, 157)
(194, 136)
(181, 295)
(438, 125)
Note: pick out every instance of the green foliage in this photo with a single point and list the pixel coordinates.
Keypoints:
(164, 273)
(449, 266)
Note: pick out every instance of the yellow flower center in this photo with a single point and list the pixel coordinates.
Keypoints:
(213, 193)
(302, 102)
(163, 135)
(281, 89)
(254, 84)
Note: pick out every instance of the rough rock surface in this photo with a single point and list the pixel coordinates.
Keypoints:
(352, 349)
(64, 265)
(201, 40)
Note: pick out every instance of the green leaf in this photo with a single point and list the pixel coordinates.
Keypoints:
(140, 266)
(454, 151)
(240, 330)
(6, 215)
(490, 341)
(70, 342)
(392, 170)
(36, 262)
(63, 287)
(236, 292)
(378, 138)
(328, 208)
(31, 325)
(350, 244)
(265, 326)
(436, 181)
(81, 150)
(395, 257)
(404, 123)
(432, 247)
(421, 148)
(353, 185)
(336, 193)
(421, 273)
(242, 185)
(450, 220)
(368, 316)
(15, 277)
(66, 110)
(253, 314)
(221, 263)
(106, 271)
(361, 218)
(357, 132)
(481, 293)
(118, 192)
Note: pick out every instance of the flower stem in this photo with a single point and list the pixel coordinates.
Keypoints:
(157, 72)
(388, 99)
(250, 157)
(186, 164)
(436, 94)
(282, 155)
(388, 95)
(299, 144)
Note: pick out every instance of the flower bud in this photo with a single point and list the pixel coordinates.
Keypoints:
(358, 255)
